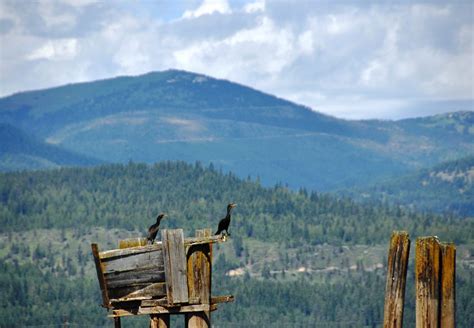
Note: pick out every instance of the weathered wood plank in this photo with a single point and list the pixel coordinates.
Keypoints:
(100, 275)
(159, 310)
(199, 280)
(175, 266)
(133, 278)
(159, 320)
(398, 254)
(139, 292)
(198, 240)
(427, 279)
(132, 242)
(199, 270)
(133, 262)
(129, 251)
(222, 299)
(448, 285)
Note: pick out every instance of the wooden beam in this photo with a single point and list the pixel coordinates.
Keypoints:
(427, 280)
(448, 285)
(398, 254)
(159, 310)
(129, 251)
(100, 276)
(148, 291)
(117, 323)
(222, 299)
(133, 242)
(159, 320)
(175, 266)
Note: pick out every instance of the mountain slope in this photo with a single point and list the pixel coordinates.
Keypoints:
(447, 187)
(176, 115)
(21, 151)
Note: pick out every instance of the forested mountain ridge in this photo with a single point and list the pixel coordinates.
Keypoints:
(298, 251)
(19, 150)
(444, 188)
(177, 115)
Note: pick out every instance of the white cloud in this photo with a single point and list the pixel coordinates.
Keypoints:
(208, 7)
(55, 50)
(349, 60)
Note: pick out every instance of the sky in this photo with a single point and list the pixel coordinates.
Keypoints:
(350, 59)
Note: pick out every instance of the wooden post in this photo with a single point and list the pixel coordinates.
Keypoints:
(199, 263)
(448, 282)
(427, 279)
(398, 254)
(117, 323)
(175, 266)
(159, 321)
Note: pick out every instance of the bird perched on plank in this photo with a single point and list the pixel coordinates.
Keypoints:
(153, 229)
(224, 223)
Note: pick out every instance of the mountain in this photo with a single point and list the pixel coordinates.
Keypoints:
(19, 150)
(447, 187)
(177, 115)
(289, 259)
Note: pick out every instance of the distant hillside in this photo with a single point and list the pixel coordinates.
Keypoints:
(176, 115)
(21, 151)
(295, 253)
(448, 187)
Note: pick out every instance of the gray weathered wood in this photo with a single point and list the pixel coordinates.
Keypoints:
(133, 262)
(427, 279)
(398, 254)
(100, 275)
(133, 278)
(139, 292)
(175, 266)
(448, 286)
(129, 251)
(160, 309)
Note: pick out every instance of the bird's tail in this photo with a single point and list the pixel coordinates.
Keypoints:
(217, 232)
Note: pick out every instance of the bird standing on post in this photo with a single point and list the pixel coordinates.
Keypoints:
(153, 229)
(224, 223)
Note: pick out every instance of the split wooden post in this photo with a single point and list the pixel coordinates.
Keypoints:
(199, 261)
(159, 321)
(427, 280)
(398, 254)
(448, 281)
(175, 266)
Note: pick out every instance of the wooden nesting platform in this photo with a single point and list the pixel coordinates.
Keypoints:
(172, 276)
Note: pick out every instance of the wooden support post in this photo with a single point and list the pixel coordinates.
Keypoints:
(117, 323)
(398, 254)
(448, 281)
(427, 279)
(199, 263)
(159, 321)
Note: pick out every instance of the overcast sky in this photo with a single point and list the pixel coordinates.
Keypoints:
(385, 59)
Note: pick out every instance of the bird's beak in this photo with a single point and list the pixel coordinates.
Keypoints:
(233, 205)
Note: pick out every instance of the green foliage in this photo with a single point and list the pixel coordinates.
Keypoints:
(129, 196)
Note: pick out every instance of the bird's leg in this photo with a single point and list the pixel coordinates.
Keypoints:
(228, 233)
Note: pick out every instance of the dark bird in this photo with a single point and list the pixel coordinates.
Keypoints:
(224, 223)
(153, 229)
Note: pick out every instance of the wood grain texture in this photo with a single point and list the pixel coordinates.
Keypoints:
(138, 292)
(100, 276)
(133, 262)
(448, 286)
(398, 254)
(175, 266)
(427, 280)
(199, 280)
